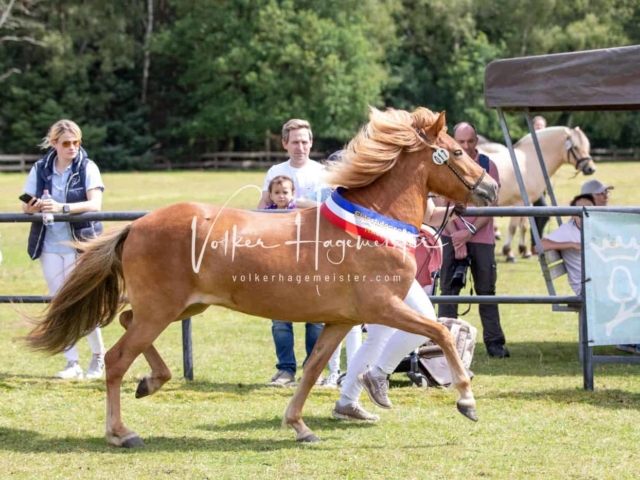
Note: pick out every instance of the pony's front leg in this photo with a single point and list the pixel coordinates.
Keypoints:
(523, 249)
(506, 248)
(399, 315)
(327, 342)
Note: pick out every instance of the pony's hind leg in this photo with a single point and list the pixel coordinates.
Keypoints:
(398, 315)
(137, 339)
(160, 373)
(326, 344)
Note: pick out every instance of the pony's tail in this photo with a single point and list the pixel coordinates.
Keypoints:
(89, 298)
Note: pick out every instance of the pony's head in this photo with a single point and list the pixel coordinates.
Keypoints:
(579, 151)
(450, 172)
(450, 165)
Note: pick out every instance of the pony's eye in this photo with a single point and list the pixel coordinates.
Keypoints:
(457, 153)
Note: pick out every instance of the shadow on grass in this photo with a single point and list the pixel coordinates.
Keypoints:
(23, 441)
(542, 359)
(323, 423)
(611, 399)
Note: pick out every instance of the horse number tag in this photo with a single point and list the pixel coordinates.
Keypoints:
(440, 155)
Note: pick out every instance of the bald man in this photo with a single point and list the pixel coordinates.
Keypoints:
(462, 249)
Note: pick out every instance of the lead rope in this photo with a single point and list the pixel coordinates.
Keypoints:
(472, 228)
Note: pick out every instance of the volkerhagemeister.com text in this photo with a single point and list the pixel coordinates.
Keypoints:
(331, 278)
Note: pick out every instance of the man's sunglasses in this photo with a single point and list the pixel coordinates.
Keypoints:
(68, 143)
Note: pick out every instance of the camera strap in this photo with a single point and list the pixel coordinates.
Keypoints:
(470, 293)
(470, 279)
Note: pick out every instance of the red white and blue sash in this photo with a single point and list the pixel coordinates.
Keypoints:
(368, 224)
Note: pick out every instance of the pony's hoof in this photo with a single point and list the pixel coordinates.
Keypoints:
(469, 412)
(143, 389)
(311, 438)
(526, 255)
(511, 259)
(133, 442)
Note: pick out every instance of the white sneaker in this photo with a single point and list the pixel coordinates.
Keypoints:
(96, 367)
(71, 371)
(332, 380)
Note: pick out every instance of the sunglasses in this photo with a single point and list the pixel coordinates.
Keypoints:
(68, 143)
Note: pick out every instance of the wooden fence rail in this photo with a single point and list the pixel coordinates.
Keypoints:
(263, 160)
(233, 160)
(615, 154)
(17, 163)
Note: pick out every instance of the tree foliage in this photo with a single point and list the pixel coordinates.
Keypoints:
(223, 74)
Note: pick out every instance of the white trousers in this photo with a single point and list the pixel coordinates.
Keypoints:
(385, 347)
(353, 341)
(56, 267)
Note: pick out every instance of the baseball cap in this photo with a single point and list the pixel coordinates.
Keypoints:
(594, 187)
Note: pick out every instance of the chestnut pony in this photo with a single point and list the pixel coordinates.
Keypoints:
(178, 260)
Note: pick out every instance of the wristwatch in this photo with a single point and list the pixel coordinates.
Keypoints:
(65, 209)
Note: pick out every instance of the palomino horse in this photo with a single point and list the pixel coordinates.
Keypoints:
(178, 260)
(558, 145)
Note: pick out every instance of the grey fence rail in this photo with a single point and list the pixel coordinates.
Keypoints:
(187, 346)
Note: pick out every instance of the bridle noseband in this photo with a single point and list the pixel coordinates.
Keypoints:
(570, 151)
(470, 187)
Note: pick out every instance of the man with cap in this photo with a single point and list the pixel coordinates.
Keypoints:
(599, 190)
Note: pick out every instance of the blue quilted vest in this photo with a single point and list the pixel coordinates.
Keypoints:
(44, 173)
(483, 160)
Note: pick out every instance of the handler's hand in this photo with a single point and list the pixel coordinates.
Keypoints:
(33, 206)
(461, 237)
(51, 206)
(461, 251)
(460, 208)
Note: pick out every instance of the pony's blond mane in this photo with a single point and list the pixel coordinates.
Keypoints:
(376, 149)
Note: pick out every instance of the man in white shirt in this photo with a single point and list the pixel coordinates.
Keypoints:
(306, 174)
(297, 140)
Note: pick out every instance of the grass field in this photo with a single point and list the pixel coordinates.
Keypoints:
(535, 419)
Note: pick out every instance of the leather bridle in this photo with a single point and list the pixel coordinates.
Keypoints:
(469, 186)
(579, 161)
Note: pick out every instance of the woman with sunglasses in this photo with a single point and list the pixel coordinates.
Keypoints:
(75, 186)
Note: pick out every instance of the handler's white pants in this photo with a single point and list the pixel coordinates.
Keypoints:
(385, 347)
(353, 341)
(56, 267)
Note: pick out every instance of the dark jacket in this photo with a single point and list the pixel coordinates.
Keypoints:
(75, 192)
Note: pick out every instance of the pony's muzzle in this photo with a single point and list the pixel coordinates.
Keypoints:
(485, 193)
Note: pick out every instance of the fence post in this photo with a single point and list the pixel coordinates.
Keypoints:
(187, 349)
(23, 163)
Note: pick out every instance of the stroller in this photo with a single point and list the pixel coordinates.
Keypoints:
(426, 366)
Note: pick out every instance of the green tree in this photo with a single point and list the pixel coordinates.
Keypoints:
(249, 65)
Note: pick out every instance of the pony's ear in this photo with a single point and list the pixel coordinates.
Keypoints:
(577, 128)
(441, 122)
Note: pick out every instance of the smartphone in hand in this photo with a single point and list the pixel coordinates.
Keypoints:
(26, 198)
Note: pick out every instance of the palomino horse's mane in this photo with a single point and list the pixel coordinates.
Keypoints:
(376, 149)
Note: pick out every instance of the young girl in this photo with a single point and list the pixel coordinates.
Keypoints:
(281, 193)
(75, 186)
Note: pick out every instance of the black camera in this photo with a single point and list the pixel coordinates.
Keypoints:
(460, 268)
